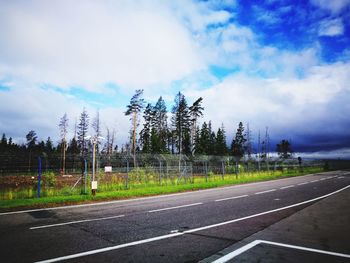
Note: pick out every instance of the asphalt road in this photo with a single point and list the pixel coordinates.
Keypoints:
(185, 227)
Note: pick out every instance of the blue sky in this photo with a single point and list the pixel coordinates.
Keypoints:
(281, 64)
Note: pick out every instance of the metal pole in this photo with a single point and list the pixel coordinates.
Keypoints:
(39, 175)
(85, 174)
(93, 191)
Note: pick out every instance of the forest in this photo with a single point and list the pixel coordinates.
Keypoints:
(161, 132)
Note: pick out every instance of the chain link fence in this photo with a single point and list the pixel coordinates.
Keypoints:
(19, 174)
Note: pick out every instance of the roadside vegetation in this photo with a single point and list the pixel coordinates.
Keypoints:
(52, 196)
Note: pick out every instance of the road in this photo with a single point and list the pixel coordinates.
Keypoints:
(184, 227)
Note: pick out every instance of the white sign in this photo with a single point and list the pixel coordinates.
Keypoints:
(108, 169)
(94, 185)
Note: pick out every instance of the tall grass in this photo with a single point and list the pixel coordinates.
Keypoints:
(117, 190)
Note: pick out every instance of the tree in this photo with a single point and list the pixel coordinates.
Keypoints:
(83, 128)
(159, 129)
(203, 146)
(181, 124)
(31, 140)
(238, 143)
(248, 144)
(221, 147)
(133, 109)
(96, 126)
(145, 134)
(195, 111)
(63, 125)
(284, 149)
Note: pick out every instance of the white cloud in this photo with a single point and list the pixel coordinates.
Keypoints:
(333, 27)
(90, 43)
(286, 105)
(334, 6)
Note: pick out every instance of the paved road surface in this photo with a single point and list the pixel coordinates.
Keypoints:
(185, 227)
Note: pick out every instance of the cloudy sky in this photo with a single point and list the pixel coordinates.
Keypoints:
(281, 64)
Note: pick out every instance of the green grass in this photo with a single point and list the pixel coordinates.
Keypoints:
(115, 192)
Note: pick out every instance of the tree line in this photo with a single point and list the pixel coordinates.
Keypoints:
(161, 132)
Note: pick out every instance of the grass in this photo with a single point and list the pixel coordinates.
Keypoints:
(114, 191)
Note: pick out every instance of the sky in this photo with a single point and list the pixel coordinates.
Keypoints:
(284, 65)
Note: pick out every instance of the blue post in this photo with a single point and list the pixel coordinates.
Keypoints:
(39, 175)
(85, 173)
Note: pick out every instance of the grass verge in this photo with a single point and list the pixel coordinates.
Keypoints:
(150, 190)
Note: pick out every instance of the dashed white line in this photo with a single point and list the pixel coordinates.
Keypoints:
(314, 181)
(288, 186)
(230, 198)
(173, 207)
(96, 251)
(76, 222)
(263, 192)
(303, 183)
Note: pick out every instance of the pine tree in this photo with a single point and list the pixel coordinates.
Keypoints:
(96, 125)
(248, 144)
(195, 111)
(284, 149)
(63, 125)
(83, 128)
(159, 124)
(145, 134)
(204, 140)
(221, 147)
(134, 108)
(31, 140)
(181, 124)
(238, 143)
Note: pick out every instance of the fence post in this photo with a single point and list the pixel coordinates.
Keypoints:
(223, 169)
(39, 175)
(85, 175)
(127, 174)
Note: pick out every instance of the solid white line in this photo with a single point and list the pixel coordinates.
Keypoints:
(91, 252)
(266, 212)
(76, 222)
(150, 197)
(303, 183)
(237, 252)
(307, 249)
(263, 192)
(289, 186)
(230, 198)
(96, 251)
(243, 249)
(173, 207)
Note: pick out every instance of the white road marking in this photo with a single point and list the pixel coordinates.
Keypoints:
(303, 183)
(263, 192)
(96, 251)
(288, 186)
(237, 252)
(341, 177)
(173, 207)
(314, 181)
(230, 198)
(149, 197)
(174, 231)
(76, 222)
(243, 249)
